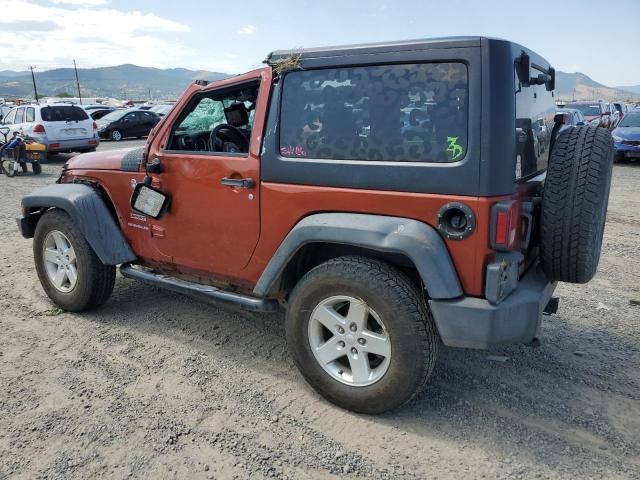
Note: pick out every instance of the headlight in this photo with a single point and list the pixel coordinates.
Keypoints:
(595, 122)
(616, 138)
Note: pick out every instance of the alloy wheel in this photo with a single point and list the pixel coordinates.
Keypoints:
(60, 261)
(349, 341)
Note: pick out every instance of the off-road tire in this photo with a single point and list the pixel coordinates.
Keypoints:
(574, 205)
(400, 304)
(95, 280)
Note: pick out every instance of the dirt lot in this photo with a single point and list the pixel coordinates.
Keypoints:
(156, 385)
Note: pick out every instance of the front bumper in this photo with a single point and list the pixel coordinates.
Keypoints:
(470, 322)
(626, 150)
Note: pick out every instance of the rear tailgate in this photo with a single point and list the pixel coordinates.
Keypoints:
(66, 122)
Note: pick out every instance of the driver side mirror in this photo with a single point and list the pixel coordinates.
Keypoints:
(149, 201)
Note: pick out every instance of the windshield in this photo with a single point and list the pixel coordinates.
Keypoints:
(631, 120)
(113, 116)
(586, 109)
(59, 113)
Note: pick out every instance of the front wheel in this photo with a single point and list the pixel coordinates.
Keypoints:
(9, 167)
(71, 274)
(37, 168)
(361, 334)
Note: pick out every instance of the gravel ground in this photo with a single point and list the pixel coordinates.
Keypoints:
(157, 385)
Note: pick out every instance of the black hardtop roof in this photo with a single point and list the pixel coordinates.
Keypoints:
(380, 47)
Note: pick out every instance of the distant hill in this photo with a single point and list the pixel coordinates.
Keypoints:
(631, 88)
(138, 83)
(122, 81)
(579, 86)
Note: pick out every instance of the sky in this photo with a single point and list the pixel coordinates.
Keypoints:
(589, 36)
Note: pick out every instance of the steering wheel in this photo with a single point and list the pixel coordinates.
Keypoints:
(185, 142)
(233, 134)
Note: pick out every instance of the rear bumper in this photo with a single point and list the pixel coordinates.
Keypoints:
(476, 323)
(75, 145)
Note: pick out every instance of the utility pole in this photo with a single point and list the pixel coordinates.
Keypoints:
(33, 77)
(77, 82)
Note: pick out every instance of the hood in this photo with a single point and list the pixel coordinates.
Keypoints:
(627, 133)
(109, 160)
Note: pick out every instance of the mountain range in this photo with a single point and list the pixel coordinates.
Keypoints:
(122, 81)
(142, 83)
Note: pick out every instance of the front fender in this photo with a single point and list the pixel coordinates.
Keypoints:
(418, 241)
(88, 211)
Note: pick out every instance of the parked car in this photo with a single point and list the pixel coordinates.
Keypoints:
(61, 127)
(125, 123)
(622, 109)
(571, 117)
(294, 186)
(614, 115)
(98, 113)
(4, 109)
(626, 137)
(597, 114)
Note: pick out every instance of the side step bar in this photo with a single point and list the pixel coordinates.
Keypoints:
(202, 292)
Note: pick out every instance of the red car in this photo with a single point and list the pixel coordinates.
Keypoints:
(597, 114)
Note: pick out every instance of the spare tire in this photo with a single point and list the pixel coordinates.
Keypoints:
(574, 204)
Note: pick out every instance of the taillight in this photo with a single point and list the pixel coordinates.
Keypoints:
(505, 222)
(95, 126)
(38, 128)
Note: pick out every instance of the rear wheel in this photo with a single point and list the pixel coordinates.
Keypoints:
(69, 270)
(574, 206)
(361, 334)
(37, 168)
(116, 135)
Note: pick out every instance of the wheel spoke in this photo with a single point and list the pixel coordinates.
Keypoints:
(328, 317)
(61, 245)
(60, 277)
(360, 368)
(51, 255)
(328, 351)
(72, 274)
(358, 314)
(376, 343)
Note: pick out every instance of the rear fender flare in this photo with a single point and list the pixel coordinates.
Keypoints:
(416, 240)
(88, 211)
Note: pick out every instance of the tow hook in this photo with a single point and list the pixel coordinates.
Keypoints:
(552, 306)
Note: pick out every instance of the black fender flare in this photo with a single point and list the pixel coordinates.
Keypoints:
(420, 242)
(87, 210)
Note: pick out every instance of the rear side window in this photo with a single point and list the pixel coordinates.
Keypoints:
(30, 115)
(20, 115)
(413, 113)
(63, 113)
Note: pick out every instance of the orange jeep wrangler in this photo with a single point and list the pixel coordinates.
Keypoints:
(390, 197)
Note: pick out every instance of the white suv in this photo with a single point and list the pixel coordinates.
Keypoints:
(61, 127)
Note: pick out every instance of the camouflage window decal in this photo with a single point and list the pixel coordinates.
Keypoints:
(402, 113)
